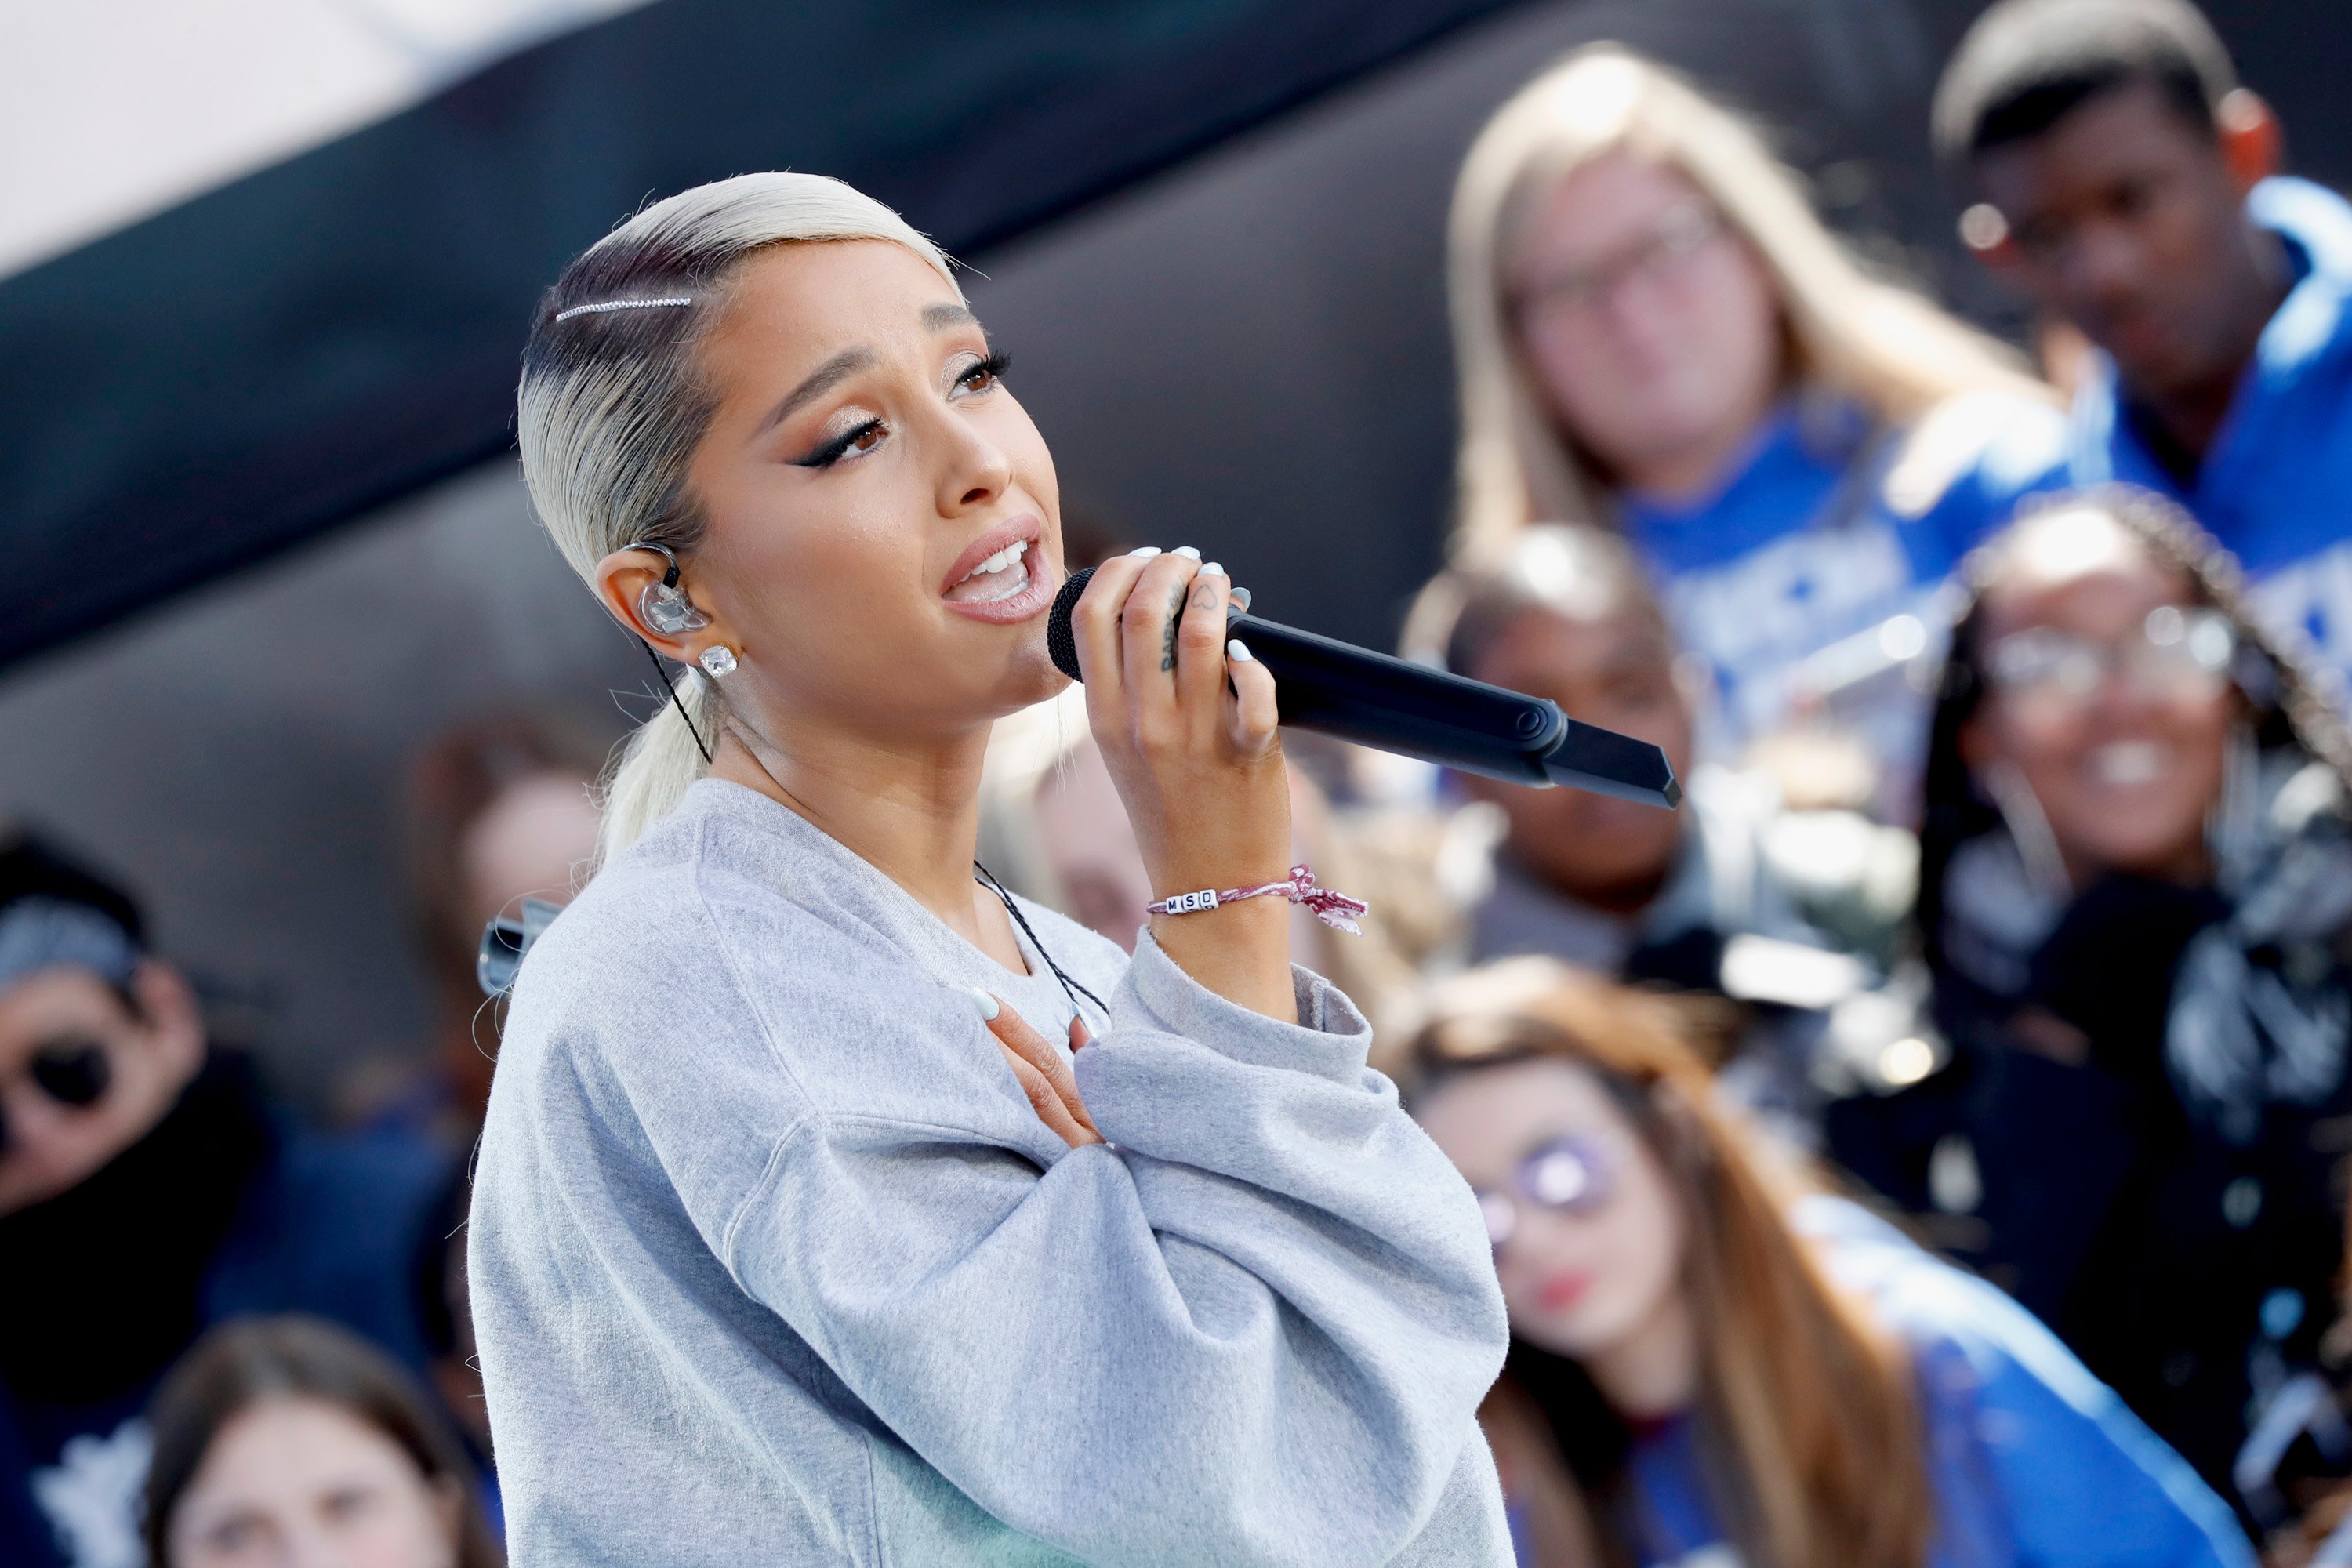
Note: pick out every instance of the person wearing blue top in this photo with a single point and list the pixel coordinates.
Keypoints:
(149, 1188)
(2129, 186)
(1656, 332)
(1713, 1366)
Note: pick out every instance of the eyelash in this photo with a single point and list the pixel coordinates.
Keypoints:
(833, 451)
(991, 370)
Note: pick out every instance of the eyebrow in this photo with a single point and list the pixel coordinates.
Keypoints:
(819, 381)
(937, 318)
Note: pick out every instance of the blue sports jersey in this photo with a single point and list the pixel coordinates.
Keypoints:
(2276, 485)
(1829, 529)
(2033, 1460)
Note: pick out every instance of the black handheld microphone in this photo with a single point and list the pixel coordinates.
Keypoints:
(1393, 705)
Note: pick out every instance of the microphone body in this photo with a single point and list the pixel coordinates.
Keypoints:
(1394, 705)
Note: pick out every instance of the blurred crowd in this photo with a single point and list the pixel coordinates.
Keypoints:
(1927, 1146)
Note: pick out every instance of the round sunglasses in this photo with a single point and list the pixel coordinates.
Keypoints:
(1569, 1175)
(73, 1073)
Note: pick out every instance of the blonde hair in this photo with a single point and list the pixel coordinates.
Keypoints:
(1881, 344)
(612, 406)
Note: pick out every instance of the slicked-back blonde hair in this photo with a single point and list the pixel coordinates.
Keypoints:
(1881, 344)
(613, 405)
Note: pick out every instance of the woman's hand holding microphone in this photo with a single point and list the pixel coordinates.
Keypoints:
(1198, 763)
(1186, 729)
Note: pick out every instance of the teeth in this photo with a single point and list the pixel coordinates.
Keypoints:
(2129, 762)
(1013, 585)
(1000, 560)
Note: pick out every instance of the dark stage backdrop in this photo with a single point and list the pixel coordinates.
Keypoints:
(273, 358)
(1245, 352)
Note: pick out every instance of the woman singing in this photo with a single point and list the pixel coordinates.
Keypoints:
(798, 1234)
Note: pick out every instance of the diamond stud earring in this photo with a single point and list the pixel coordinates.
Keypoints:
(718, 659)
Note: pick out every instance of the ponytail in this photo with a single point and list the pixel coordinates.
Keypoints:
(659, 763)
(612, 406)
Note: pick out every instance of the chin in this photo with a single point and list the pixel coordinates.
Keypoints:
(1029, 679)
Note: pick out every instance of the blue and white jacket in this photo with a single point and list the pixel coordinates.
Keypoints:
(2276, 485)
(2035, 1463)
(1828, 529)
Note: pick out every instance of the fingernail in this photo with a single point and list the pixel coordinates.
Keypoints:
(985, 1003)
(1239, 597)
(1238, 651)
(1212, 570)
(1146, 553)
(1188, 550)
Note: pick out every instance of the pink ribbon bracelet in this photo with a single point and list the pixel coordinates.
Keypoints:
(1337, 910)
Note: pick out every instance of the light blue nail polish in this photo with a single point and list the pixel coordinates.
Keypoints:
(1188, 550)
(985, 1005)
(1146, 553)
(1212, 570)
(1238, 651)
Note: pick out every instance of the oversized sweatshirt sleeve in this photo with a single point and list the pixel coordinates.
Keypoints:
(1253, 1328)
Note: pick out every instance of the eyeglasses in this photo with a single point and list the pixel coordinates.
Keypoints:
(74, 1073)
(1684, 231)
(1570, 1174)
(2181, 654)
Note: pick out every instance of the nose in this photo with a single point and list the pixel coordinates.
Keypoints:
(973, 471)
(2127, 694)
(2104, 265)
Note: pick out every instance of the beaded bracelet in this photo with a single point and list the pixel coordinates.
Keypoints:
(1337, 910)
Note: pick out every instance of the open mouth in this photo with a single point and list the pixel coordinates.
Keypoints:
(2125, 764)
(995, 579)
(1002, 576)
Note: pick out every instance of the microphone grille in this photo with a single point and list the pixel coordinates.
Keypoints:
(1061, 643)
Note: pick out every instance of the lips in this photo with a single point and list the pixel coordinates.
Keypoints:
(1562, 1291)
(1002, 576)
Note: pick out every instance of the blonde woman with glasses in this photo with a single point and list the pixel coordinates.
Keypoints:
(1656, 332)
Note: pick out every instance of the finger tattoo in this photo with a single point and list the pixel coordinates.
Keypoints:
(1175, 617)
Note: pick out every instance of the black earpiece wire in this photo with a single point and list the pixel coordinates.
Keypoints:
(661, 673)
(669, 580)
(1070, 987)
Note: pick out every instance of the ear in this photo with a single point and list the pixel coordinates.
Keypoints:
(1985, 231)
(622, 579)
(174, 1024)
(2252, 142)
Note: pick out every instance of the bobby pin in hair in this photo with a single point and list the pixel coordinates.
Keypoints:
(602, 306)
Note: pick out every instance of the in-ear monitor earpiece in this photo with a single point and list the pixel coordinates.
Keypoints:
(664, 604)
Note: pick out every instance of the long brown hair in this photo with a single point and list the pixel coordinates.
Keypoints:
(241, 1364)
(1807, 1412)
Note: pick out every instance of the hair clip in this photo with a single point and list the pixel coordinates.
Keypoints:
(603, 305)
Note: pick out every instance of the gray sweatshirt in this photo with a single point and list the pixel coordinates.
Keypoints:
(773, 1263)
